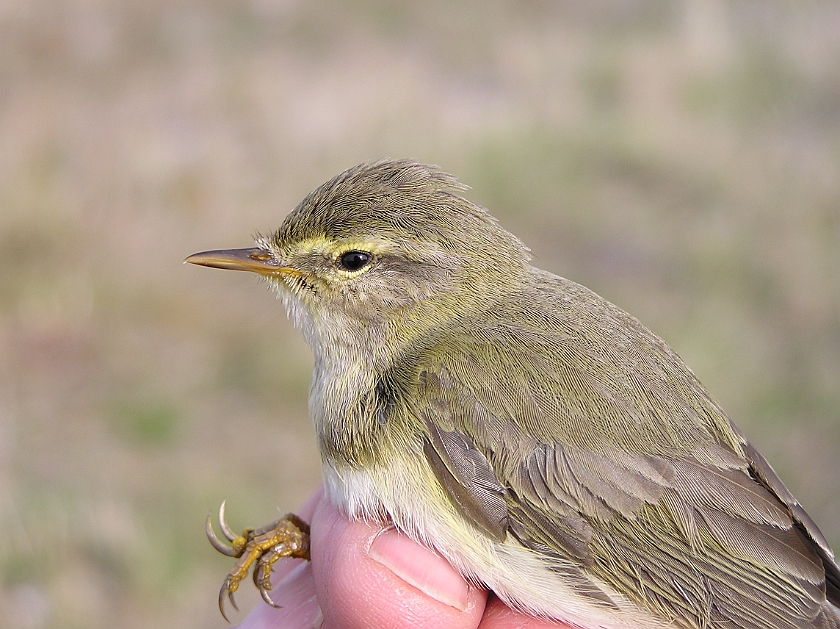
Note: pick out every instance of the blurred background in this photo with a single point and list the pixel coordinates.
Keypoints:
(680, 158)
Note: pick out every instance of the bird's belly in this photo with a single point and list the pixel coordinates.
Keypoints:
(521, 577)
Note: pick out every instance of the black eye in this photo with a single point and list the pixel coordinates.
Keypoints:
(353, 260)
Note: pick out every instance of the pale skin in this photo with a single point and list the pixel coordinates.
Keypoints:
(363, 577)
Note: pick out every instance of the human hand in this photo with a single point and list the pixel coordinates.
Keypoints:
(363, 577)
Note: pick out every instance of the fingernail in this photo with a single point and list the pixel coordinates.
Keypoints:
(420, 567)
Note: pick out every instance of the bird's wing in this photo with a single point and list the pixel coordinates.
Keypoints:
(601, 447)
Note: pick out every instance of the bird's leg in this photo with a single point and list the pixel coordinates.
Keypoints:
(286, 537)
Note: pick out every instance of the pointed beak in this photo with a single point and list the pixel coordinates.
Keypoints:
(255, 260)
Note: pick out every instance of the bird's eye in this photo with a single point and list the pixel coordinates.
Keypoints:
(353, 260)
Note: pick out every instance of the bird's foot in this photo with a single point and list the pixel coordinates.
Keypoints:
(287, 537)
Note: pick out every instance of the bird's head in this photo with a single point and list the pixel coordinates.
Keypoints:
(381, 254)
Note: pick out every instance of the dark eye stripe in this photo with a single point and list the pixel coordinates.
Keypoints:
(353, 260)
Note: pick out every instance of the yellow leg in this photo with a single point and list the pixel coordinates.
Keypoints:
(286, 537)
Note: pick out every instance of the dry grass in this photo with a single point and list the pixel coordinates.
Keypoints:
(679, 158)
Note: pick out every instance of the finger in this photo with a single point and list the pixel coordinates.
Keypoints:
(497, 615)
(367, 578)
(308, 509)
(297, 603)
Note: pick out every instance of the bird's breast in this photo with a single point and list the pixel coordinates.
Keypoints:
(348, 407)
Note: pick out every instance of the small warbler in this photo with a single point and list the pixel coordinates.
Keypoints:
(542, 440)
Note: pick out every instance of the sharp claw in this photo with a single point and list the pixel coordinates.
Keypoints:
(227, 593)
(264, 547)
(267, 598)
(216, 542)
(222, 593)
(223, 524)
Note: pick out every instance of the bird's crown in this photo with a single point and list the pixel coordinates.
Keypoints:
(399, 200)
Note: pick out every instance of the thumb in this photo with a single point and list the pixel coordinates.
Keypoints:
(373, 578)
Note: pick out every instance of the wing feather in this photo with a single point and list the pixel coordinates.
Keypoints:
(610, 454)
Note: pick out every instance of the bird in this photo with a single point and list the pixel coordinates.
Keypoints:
(545, 442)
